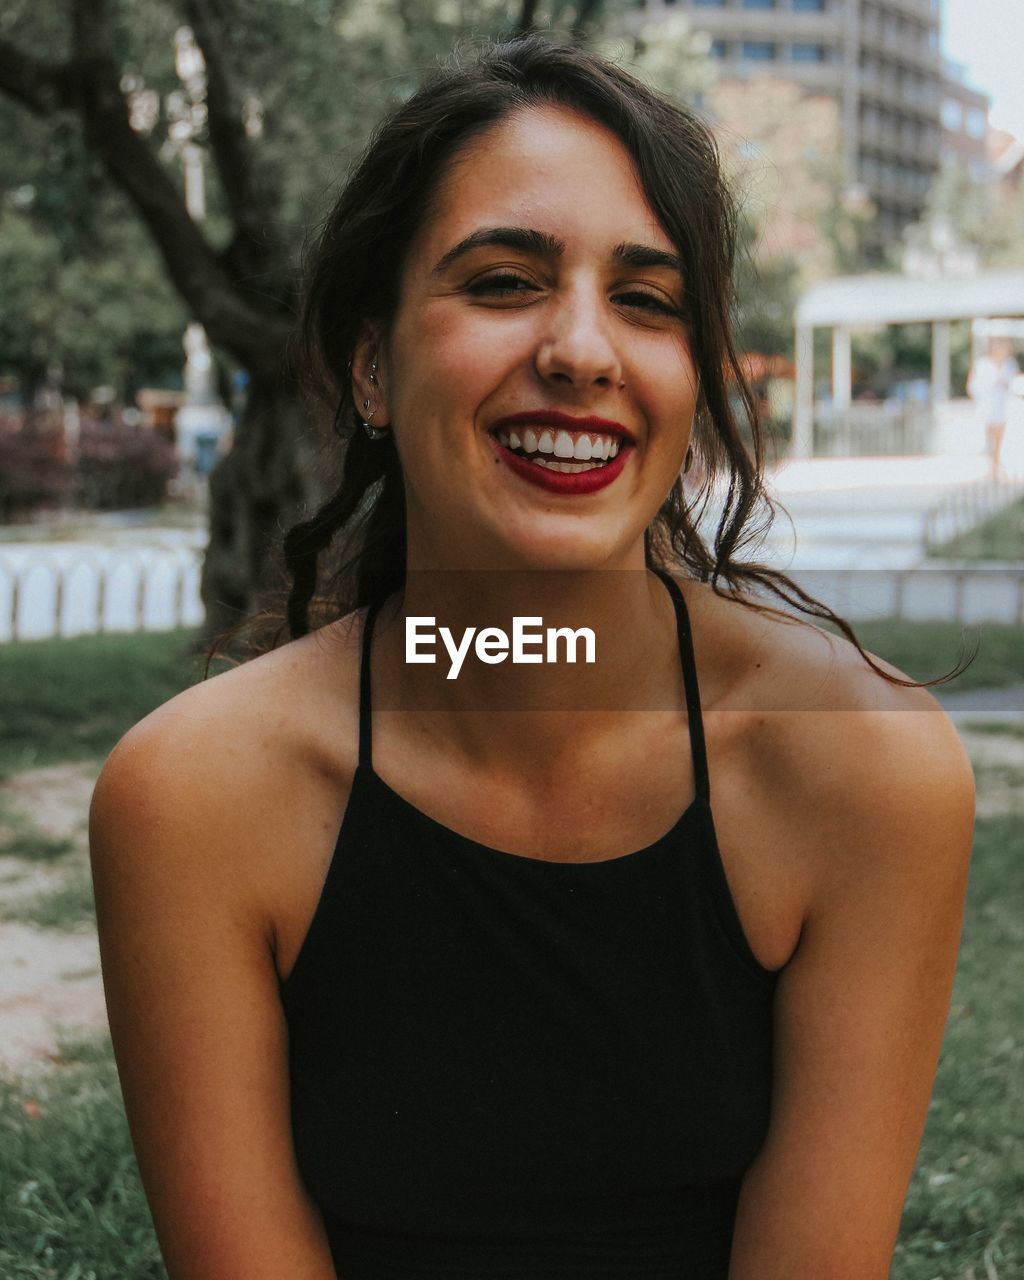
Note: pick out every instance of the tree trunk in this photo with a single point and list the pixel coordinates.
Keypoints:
(257, 491)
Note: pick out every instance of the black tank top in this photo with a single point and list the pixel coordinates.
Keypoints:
(503, 1066)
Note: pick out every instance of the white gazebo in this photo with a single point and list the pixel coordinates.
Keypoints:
(871, 301)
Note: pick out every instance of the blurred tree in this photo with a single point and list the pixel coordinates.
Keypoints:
(280, 97)
(783, 147)
(978, 214)
(84, 289)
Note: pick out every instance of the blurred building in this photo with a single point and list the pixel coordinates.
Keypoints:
(879, 59)
(965, 123)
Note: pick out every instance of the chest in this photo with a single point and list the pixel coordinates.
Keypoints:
(574, 1032)
(609, 810)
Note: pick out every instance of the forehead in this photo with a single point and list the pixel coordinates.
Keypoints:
(548, 168)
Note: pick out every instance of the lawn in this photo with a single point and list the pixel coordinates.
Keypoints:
(1000, 537)
(71, 1206)
(925, 650)
(72, 699)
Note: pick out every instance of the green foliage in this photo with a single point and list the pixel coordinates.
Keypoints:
(766, 293)
(1001, 537)
(983, 215)
(101, 307)
(965, 1206)
(71, 1202)
(925, 650)
(72, 699)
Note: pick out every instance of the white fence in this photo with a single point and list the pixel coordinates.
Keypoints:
(68, 590)
(938, 590)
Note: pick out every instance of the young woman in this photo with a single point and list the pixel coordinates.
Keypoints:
(635, 967)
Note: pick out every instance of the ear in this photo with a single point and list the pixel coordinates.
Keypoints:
(368, 376)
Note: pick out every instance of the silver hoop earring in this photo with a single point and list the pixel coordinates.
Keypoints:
(374, 433)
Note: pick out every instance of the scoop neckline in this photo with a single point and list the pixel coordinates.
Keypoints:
(687, 816)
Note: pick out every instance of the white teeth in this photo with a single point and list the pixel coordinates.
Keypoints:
(563, 445)
(570, 468)
(560, 444)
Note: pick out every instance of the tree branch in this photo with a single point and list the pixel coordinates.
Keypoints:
(253, 335)
(248, 199)
(40, 86)
(527, 16)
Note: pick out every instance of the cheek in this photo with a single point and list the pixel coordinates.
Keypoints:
(449, 359)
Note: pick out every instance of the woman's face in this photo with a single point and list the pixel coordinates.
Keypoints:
(542, 290)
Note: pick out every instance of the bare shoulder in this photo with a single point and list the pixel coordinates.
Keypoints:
(843, 756)
(225, 778)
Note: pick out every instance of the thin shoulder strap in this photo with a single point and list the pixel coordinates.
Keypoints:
(365, 727)
(696, 722)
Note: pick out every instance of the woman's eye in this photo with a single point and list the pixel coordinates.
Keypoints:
(500, 286)
(647, 301)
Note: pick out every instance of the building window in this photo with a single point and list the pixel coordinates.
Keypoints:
(976, 124)
(809, 6)
(952, 117)
(807, 52)
(709, 4)
(719, 49)
(758, 50)
(759, 4)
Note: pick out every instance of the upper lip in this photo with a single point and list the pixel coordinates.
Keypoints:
(552, 418)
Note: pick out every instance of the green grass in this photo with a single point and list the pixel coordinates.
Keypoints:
(71, 1203)
(71, 699)
(925, 650)
(1000, 537)
(69, 906)
(20, 838)
(965, 1208)
(996, 728)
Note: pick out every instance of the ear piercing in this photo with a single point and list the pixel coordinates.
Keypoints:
(374, 433)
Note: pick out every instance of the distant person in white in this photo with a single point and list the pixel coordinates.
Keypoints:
(988, 386)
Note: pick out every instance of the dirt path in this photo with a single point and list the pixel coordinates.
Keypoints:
(50, 983)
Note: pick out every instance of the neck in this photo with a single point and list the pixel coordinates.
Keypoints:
(508, 709)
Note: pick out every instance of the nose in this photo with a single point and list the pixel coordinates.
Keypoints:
(577, 348)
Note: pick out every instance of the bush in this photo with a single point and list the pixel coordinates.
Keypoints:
(113, 465)
(121, 466)
(32, 470)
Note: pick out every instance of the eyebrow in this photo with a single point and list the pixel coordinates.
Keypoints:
(542, 244)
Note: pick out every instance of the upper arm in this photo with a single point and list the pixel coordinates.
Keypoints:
(195, 1017)
(861, 1006)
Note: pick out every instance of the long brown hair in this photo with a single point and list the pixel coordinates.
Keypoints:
(351, 552)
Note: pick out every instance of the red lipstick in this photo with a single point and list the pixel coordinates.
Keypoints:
(569, 483)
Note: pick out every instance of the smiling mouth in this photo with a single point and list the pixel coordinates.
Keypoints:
(558, 449)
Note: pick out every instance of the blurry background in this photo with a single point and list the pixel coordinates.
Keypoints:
(161, 165)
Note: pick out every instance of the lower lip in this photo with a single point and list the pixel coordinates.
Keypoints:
(564, 481)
